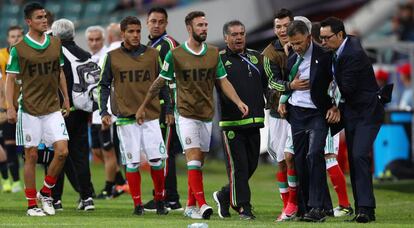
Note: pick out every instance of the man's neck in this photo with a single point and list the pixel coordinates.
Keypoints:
(130, 47)
(37, 36)
(194, 45)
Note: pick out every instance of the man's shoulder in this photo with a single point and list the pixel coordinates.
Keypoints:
(77, 51)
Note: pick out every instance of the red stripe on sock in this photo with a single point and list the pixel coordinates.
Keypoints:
(134, 182)
(31, 197)
(50, 181)
(158, 179)
(282, 178)
(196, 183)
(338, 181)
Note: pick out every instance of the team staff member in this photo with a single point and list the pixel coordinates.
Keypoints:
(241, 136)
(14, 35)
(37, 61)
(157, 22)
(129, 71)
(196, 67)
(309, 112)
(361, 110)
(77, 122)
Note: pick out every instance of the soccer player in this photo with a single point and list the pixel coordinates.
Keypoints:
(36, 63)
(157, 22)
(130, 70)
(277, 51)
(14, 35)
(195, 67)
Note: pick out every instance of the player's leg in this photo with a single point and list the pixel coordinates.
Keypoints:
(156, 152)
(130, 145)
(336, 176)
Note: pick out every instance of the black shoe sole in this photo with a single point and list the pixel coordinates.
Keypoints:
(308, 219)
(207, 213)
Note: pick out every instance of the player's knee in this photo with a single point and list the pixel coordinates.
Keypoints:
(31, 156)
(330, 156)
(61, 152)
(282, 166)
(130, 168)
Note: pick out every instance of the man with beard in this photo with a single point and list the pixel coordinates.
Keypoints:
(195, 67)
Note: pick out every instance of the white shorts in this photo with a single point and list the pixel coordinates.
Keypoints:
(194, 133)
(32, 130)
(331, 144)
(279, 132)
(135, 139)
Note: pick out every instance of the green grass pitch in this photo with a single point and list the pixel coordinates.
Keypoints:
(395, 204)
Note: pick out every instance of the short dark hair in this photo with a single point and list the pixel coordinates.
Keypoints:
(190, 16)
(316, 31)
(158, 10)
(14, 27)
(30, 8)
(229, 24)
(50, 18)
(129, 20)
(335, 23)
(296, 27)
(282, 13)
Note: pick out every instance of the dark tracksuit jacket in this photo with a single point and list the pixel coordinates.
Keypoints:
(248, 76)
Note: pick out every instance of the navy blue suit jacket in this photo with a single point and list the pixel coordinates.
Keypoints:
(356, 81)
(319, 78)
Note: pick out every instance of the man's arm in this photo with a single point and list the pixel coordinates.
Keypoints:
(230, 92)
(153, 92)
(11, 110)
(104, 90)
(64, 90)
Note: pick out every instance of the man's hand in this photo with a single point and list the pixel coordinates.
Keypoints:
(169, 119)
(140, 115)
(299, 84)
(106, 122)
(333, 115)
(282, 110)
(286, 48)
(66, 107)
(11, 115)
(243, 109)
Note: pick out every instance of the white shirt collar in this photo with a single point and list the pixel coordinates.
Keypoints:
(34, 41)
(192, 51)
(341, 48)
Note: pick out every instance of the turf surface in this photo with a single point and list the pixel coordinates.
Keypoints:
(395, 204)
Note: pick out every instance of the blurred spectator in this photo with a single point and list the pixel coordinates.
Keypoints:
(403, 22)
(316, 32)
(406, 102)
(382, 77)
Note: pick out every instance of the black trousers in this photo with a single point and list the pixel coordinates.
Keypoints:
(309, 131)
(359, 139)
(77, 126)
(172, 143)
(242, 150)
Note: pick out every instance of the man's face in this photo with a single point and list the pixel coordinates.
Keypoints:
(329, 39)
(280, 29)
(300, 43)
(198, 29)
(14, 36)
(236, 38)
(95, 41)
(132, 35)
(38, 21)
(157, 24)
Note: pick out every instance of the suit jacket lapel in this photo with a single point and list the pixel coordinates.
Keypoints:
(314, 64)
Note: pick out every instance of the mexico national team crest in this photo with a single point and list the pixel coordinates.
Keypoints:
(231, 134)
(188, 140)
(129, 155)
(28, 138)
(162, 148)
(253, 59)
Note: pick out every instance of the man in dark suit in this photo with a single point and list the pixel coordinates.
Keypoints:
(309, 112)
(362, 112)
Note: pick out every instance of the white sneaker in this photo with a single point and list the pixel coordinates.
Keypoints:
(86, 205)
(206, 211)
(35, 212)
(192, 212)
(47, 204)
